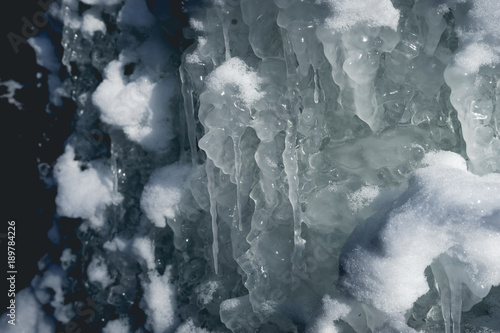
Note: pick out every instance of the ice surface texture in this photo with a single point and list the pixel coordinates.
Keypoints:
(315, 165)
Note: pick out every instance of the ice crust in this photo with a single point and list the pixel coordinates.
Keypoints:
(287, 166)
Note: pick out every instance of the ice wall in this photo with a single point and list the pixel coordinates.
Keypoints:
(319, 166)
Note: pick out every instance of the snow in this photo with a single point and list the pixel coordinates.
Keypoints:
(195, 56)
(83, 193)
(374, 13)
(49, 288)
(144, 249)
(445, 223)
(230, 304)
(189, 327)
(30, 317)
(197, 25)
(140, 107)
(486, 14)
(206, 291)
(102, 2)
(159, 298)
(117, 326)
(362, 197)
(448, 216)
(476, 55)
(333, 310)
(92, 22)
(45, 52)
(97, 272)
(67, 259)
(116, 244)
(12, 86)
(236, 73)
(163, 192)
(479, 36)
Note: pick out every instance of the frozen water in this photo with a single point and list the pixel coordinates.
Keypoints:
(279, 166)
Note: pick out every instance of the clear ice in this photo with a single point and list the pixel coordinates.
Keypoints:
(283, 166)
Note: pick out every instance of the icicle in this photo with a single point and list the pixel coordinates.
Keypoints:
(210, 170)
(226, 41)
(291, 170)
(237, 169)
(187, 94)
(290, 155)
(316, 90)
(225, 33)
(450, 290)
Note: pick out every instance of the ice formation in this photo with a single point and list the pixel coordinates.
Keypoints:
(278, 166)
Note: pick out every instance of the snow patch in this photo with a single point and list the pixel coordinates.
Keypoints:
(374, 13)
(117, 326)
(97, 272)
(448, 218)
(11, 86)
(144, 248)
(84, 190)
(236, 73)
(162, 194)
(92, 22)
(30, 316)
(139, 107)
(159, 302)
(333, 311)
(189, 327)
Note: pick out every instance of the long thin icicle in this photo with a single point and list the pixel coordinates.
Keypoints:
(187, 95)
(237, 169)
(210, 170)
(291, 170)
(225, 33)
(316, 90)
